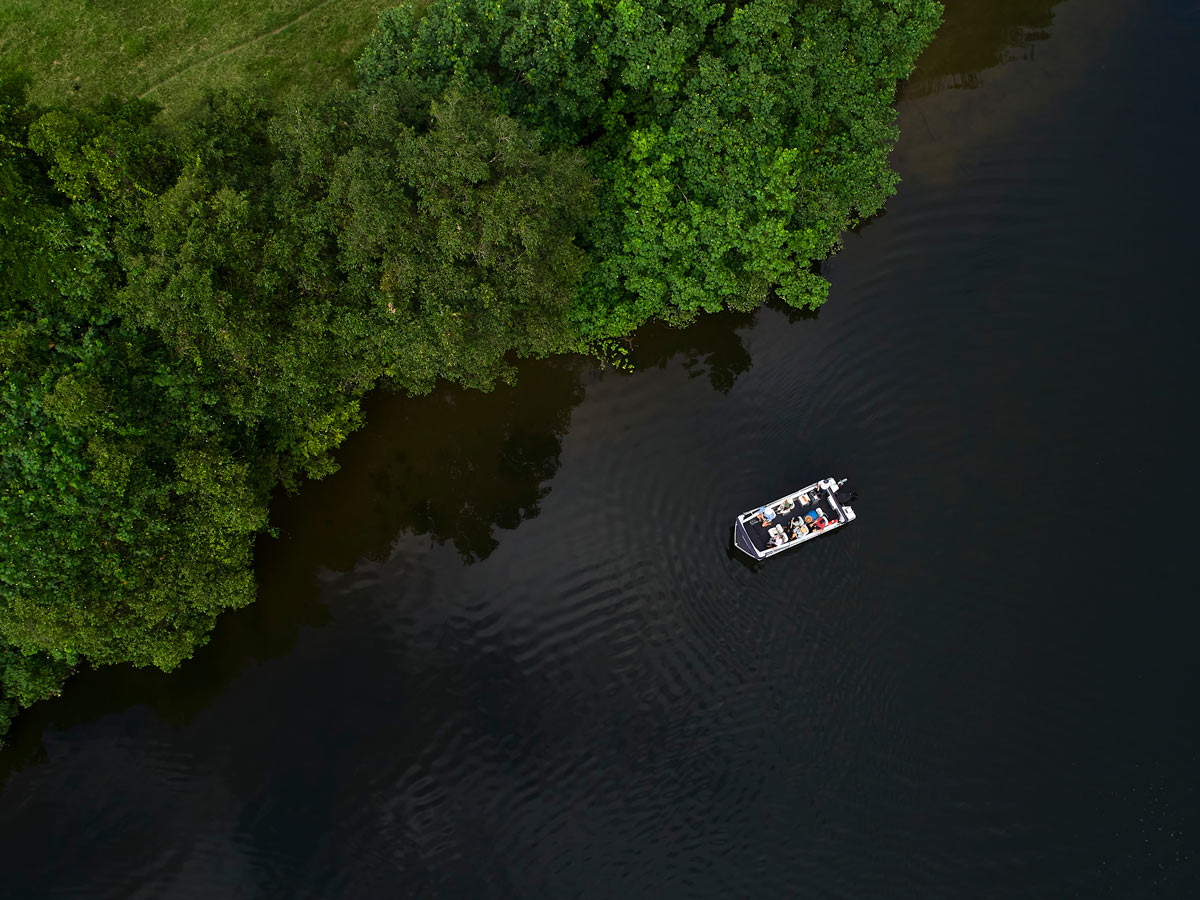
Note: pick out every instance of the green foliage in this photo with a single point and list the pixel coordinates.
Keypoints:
(26, 678)
(193, 309)
(444, 226)
(733, 142)
(127, 521)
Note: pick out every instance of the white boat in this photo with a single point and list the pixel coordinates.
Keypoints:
(791, 520)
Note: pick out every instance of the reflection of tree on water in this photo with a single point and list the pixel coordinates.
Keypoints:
(458, 465)
(455, 465)
(492, 490)
(710, 346)
(976, 36)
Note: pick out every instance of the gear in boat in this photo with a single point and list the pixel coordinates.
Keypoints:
(792, 519)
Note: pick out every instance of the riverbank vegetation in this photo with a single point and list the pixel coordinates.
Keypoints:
(194, 305)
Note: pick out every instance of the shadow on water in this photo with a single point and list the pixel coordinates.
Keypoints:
(456, 465)
(977, 36)
(731, 550)
(711, 347)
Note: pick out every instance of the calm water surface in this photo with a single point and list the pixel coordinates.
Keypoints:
(508, 652)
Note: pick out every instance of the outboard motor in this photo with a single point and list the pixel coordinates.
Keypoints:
(846, 494)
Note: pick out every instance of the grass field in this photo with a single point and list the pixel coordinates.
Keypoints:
(170, 50)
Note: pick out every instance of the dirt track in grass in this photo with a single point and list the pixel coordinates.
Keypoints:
(254, 40)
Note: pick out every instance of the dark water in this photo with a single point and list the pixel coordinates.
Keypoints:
(507, 651)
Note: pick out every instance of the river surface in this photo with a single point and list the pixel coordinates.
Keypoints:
(508, 651)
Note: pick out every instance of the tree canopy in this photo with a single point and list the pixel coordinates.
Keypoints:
(193, 310)
(734, 142)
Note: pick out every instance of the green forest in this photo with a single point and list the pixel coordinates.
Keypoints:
(195, 304)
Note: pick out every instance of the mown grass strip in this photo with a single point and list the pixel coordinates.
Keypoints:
(171, 50)
(236, 48)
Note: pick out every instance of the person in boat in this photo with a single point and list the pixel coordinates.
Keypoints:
(778, 539)
(765, 515)
(798, 528)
